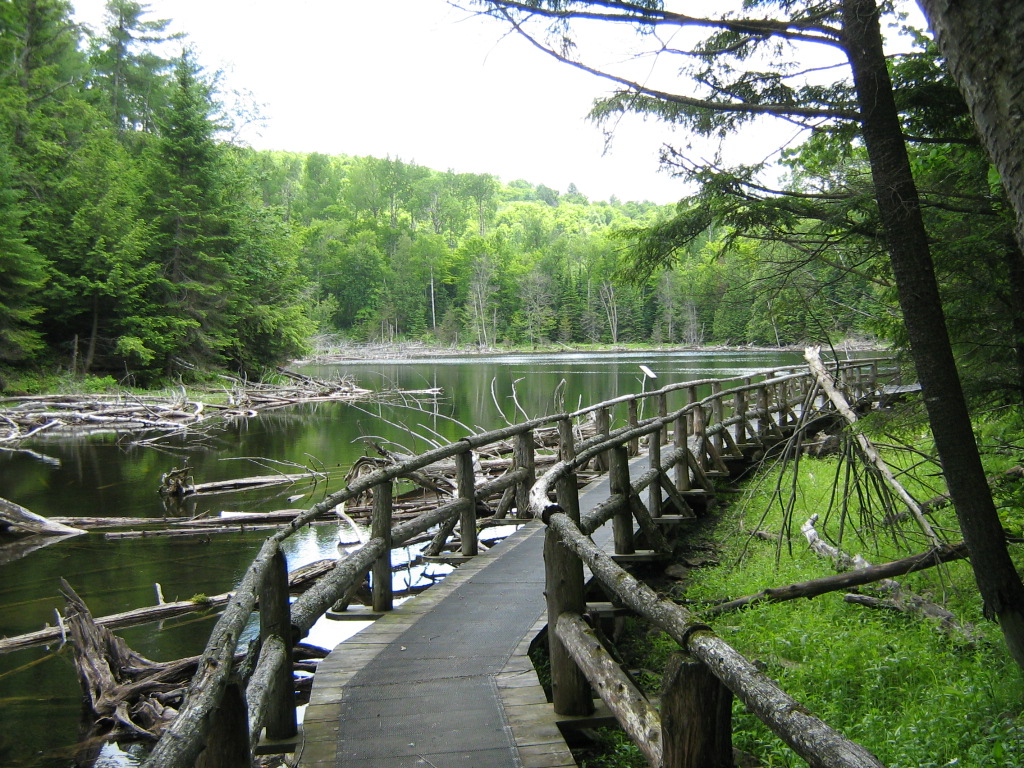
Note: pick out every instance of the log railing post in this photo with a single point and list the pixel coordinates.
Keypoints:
(663, 407)
(566, 441)
(603, 423)
(740, 411)
(622, 522)
(276, 621)
(699, 426)
(681, 443)
(696, 716)
(634, 444)
(564, 592)
(654, 461)
(763, 430)
(227, 743)
(717, 414)
(465, 482)
(380, 527)
(524, 459)
(691, 397)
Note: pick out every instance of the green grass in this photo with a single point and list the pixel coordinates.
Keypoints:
(910, 693)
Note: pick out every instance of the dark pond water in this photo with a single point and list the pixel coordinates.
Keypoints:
(103, 476)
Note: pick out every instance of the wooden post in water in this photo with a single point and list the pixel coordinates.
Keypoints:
(227, 743)
(564, 591)
(634, 444)
(603, 422)
(523, 456)
(696, 716)
(465, 481)
(622, 522)
(380, 527)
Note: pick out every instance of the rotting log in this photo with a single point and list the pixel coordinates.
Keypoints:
(298, 580)
(637, 716)
(14, 518)
(840, 581)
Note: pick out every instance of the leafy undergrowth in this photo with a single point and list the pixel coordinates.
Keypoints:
(911, 693)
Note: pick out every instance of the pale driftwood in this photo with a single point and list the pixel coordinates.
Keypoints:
(864, 575)
(828, 385)
(14, 518)
(637, 716)
(128, 694)
(900, 598)
(299, 580)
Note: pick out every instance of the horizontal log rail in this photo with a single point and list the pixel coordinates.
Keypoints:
(758, 410)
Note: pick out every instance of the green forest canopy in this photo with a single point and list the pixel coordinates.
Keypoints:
(138, 240)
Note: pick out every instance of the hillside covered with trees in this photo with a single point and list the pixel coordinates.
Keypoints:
(139, 240)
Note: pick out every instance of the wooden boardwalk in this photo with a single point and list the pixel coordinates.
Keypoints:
(444, 680)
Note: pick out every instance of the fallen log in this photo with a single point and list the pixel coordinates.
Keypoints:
(859, 577)
(129, 695)
(869, 451)
(298, 581)
(900, 598)
(14, 518)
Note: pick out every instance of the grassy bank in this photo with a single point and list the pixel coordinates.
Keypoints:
(912, 693)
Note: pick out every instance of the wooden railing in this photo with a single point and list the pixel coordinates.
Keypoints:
(227, 709)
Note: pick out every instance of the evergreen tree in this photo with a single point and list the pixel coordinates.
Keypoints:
(133, 78)
(194, 244)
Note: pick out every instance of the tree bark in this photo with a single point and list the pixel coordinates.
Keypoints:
(981, 44)
(899, 208)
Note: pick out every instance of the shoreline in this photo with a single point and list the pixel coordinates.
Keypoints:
(408, 351)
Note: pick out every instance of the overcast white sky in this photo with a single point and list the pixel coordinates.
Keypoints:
(418, 80)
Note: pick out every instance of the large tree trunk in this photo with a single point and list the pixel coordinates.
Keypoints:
(981, 43)
(998, 581)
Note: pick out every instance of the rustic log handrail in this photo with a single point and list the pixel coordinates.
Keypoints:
(186, 737)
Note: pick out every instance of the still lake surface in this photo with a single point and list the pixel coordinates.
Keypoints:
(103, 476)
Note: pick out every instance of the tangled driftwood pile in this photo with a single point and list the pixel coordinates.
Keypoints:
(28, 416)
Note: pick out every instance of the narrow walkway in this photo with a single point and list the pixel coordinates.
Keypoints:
(443, 681)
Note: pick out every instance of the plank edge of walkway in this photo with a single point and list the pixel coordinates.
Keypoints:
(532, 722)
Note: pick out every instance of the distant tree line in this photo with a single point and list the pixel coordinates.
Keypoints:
(137, 239)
